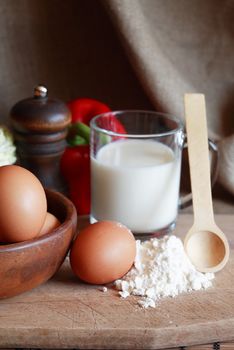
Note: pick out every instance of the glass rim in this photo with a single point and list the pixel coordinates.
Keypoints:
(95, 127)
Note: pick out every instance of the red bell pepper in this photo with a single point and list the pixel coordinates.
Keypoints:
(75, 167)
(84, 109)
(75, 162)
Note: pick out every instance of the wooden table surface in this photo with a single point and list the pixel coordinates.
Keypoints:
(65, 313)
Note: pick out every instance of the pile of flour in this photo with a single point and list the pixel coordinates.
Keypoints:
(161, 269)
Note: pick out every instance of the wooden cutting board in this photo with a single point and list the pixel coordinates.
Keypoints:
(64, 313)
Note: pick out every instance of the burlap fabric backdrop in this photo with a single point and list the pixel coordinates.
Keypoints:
(178, 46)
(174, 46)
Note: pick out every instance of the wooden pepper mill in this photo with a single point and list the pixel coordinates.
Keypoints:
(40, 128)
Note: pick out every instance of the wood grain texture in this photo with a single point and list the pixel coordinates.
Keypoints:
(205, 243)
(25, 265)
(65, 313)
(198, 151)
(213, 346)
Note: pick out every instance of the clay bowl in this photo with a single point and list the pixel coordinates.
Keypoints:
(26, 265)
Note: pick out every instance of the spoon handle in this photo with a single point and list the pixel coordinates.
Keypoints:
(199, 163)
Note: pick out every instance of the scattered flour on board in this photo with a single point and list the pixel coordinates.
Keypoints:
(161, 269)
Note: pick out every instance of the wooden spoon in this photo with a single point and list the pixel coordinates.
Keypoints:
(205, 244)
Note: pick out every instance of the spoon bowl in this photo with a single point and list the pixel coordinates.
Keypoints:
(207, 250)
(205, 244)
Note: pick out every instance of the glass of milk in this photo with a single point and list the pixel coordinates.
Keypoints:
(135, 170)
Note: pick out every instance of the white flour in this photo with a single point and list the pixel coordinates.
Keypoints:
(161, 269)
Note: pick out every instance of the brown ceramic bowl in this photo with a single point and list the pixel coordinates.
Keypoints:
(25, 265)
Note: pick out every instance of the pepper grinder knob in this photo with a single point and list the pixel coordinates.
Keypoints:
(39, 126)
(40, 91)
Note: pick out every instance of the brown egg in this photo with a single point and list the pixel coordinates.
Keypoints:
(51, 223)
(23, 204)
(103, 252)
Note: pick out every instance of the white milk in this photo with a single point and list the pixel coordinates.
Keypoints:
(136, 182)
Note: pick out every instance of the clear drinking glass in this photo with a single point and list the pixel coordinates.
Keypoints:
(135, 170)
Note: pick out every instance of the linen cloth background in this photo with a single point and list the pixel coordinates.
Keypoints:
(128, 53)
(184, 46)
